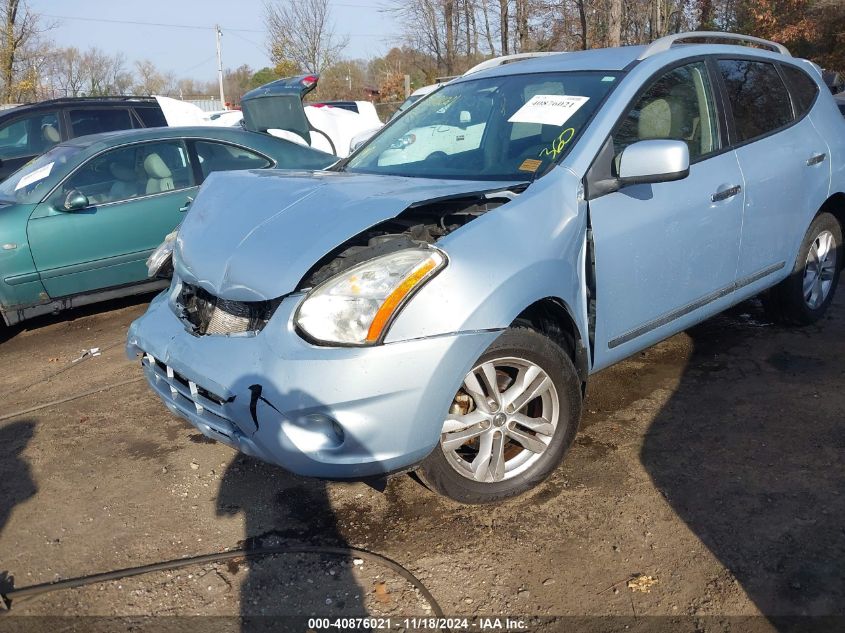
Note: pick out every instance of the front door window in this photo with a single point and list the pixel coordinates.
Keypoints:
(678, 106)
(133, 171)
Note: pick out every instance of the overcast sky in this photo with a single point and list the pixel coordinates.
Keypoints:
(189, 52)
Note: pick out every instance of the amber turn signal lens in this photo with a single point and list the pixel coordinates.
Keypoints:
(395, 298)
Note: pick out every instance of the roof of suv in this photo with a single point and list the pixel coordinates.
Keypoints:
(621, 58)
(610, 59)
(81, 101)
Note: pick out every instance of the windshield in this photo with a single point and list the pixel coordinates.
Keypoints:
(32, 181)
(499, 128)
(407, 103)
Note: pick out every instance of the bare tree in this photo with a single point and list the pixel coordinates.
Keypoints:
(488, 34)
(303, 32)
(96, 69)
(150, 80)
(504, 22)
(237, 82)
(18, 27)
(522, 43)
(66, 69)
(120, 79)
(614, 23)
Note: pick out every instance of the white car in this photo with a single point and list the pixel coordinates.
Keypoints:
(277, 108)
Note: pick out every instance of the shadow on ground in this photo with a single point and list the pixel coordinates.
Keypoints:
(67, 316)
(281, 509)
(755, 471)
(16, 483)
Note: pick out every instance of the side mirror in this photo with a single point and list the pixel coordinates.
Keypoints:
(75, 200)
(653, 161)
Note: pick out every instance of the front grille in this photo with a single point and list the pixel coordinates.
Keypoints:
(189, 399)
(210, 315)
(176, 377)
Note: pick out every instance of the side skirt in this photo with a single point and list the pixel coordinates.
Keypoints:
(17, 314)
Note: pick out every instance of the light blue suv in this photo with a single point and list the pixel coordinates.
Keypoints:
(438, 299)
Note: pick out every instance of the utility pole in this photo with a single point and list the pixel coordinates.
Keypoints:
(217, 35)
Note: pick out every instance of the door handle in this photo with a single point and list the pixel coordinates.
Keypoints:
(815, 160)
(187, 205)
(724, 194)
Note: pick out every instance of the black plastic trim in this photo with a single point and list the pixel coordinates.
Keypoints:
(695, 305)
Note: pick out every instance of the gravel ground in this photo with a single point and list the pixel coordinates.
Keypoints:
(709, 469)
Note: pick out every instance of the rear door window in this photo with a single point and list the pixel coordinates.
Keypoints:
(758, 97)
(96, 120)
(29, 135)
(224, 157)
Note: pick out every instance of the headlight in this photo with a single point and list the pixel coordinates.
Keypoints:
(356, 306)
(160, 260)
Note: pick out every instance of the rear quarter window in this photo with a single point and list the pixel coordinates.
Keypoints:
(151, 116)
(758, 97)
(802, 87)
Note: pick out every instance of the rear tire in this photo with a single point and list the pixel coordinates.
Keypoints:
(804, 296)
(518, 409)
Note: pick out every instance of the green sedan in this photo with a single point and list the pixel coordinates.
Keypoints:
(77, 223)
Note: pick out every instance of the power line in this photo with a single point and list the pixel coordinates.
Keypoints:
(248, 41)
(195, 66)
(139, 23)
(197, 27)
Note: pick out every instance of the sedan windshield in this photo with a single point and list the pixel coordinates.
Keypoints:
(500, 128)
(31, 182)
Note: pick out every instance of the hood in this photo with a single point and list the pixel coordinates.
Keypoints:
(252, 235)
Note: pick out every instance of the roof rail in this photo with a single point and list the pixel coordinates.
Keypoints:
(665, 43)
(92, 98)
(507, 59)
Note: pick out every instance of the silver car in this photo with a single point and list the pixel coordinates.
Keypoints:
(439, 299)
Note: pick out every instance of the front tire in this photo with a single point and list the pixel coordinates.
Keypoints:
(511, 422)
(804, 296)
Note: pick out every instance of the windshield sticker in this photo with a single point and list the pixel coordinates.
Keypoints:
(548, 109)
(39, 174)
(559, 144)
(530, 164)
(609, 78)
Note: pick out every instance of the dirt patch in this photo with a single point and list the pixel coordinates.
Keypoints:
(711, 462)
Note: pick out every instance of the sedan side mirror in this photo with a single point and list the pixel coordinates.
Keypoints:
(653, 161)
(75, 200)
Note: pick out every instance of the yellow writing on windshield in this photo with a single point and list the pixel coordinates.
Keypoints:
(559, 144)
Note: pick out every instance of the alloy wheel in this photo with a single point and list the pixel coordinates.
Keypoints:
(501, 420)
(819, 270)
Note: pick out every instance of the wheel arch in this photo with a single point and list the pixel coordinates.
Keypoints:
(835, 205)
(553, 318)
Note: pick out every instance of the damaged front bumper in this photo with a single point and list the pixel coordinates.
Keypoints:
(330, 412)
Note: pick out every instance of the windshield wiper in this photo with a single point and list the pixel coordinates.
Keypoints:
(339, 165)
